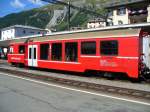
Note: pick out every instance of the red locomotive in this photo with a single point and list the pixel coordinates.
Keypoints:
(121, 49)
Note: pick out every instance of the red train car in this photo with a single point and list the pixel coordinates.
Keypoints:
(123, 49)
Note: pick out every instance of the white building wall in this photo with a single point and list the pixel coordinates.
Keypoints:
(19, 32)
(96, 25)
(148, 9)
(125, 17)
(8, 34)
(116, 18)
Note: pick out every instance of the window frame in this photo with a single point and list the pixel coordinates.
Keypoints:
(11, 49)
(34, 53)
(114, 54)
(120, 22)
(110, 13)
(48, 54)
(30, 53)
(92, 41)
(61, 53)
(24, 31)
(68, 55)
(24, 49)
(121, 11)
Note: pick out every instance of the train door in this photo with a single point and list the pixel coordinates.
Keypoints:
(146, 50)
(32, 55)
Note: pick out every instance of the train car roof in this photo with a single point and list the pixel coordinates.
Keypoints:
(109, 31)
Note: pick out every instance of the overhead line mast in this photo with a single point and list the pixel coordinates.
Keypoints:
(69, 6)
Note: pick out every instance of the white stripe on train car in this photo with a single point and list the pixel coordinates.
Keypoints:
(15, 54)
(83, 56)
(60, 62)
(120, 57)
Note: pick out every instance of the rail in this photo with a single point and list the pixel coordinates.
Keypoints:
(84, 85)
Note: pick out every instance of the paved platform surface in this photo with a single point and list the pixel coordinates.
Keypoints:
(97, 80)
(17, 95)
(3, 61)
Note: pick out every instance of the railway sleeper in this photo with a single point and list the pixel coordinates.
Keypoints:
(108, 75)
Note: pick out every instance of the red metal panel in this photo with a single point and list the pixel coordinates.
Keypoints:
(16, 58)
(127, 61)
(59, 65)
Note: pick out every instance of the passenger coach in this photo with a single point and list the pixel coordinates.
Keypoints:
(121, 49)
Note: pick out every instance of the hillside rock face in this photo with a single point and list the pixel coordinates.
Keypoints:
(58, 17)
(50, 16)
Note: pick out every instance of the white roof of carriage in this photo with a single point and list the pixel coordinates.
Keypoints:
(108, 28)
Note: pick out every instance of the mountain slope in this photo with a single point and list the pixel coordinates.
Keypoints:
(38, 17)
(49, 16)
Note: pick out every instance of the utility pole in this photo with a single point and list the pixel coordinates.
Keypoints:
(69, 15)
(69, 6)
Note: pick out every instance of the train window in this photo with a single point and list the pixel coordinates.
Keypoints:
(21, 49)
(71, 51)
(34, 53)
(11, 50)
(30, 51)
(56, 51)
(109, 47)
(88, 48)
(44, 51)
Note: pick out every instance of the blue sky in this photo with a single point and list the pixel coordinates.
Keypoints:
(14, 6)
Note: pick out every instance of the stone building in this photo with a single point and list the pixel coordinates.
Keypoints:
(128, 11)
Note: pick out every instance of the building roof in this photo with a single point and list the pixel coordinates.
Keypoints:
(23, 26)
(115, 3)
(97, 20)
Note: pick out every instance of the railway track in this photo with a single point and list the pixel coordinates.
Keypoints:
(85, 85)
